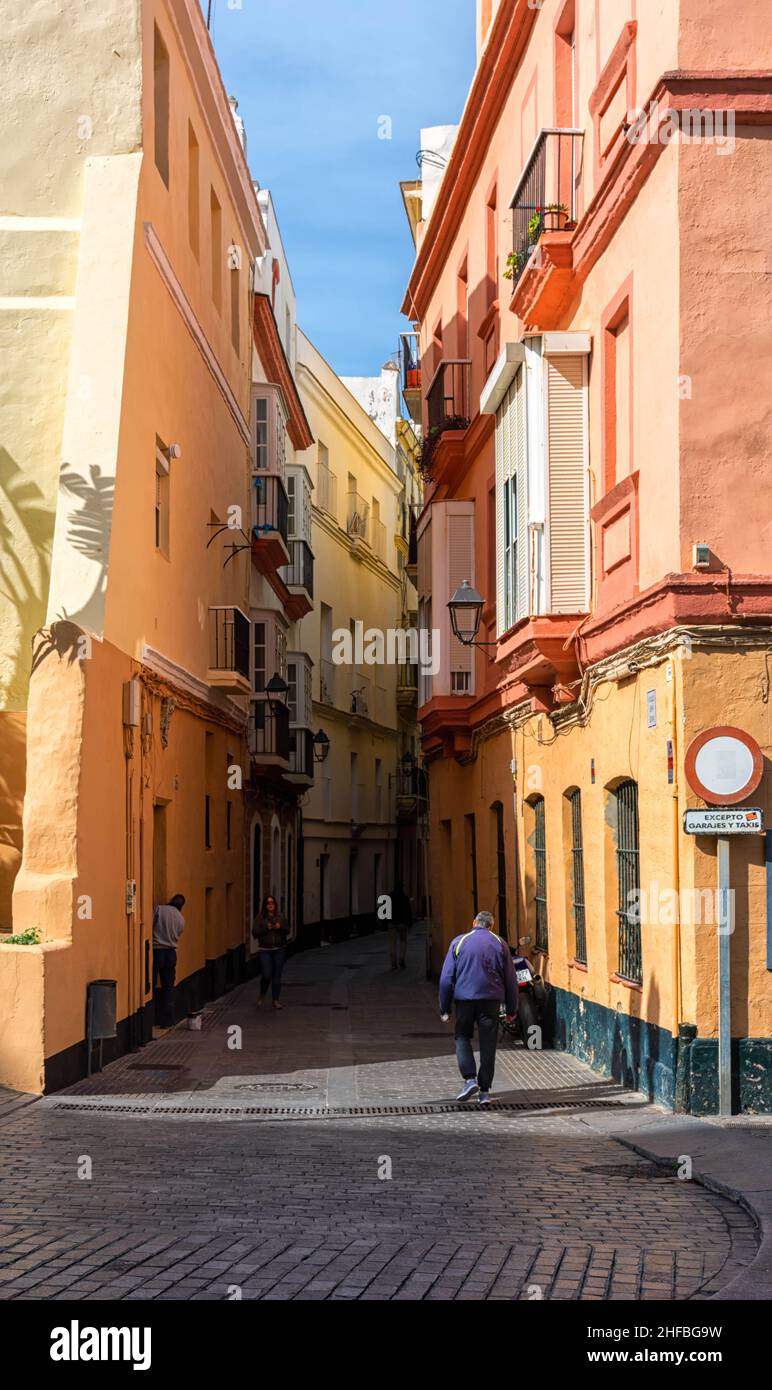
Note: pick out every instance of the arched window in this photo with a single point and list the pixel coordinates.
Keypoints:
(629, 882)
(540, 873)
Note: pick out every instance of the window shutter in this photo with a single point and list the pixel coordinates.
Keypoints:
(520, 473)
(567, 483)
(460, 567)
(502, 473)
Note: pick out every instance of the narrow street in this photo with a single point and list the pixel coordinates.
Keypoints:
(195, 1169)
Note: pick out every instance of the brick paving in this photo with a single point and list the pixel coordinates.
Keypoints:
(540, 1204)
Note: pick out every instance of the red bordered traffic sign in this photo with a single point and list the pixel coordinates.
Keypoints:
(724, 765)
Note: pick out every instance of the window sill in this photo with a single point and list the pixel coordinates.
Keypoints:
(628, 984)
(577, 965)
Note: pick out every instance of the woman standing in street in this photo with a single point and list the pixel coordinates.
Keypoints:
(271, 932)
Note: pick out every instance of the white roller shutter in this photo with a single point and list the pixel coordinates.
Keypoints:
(567, 470)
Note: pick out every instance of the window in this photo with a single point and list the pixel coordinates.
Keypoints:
(162, 500)
(629, 882)
(207, 822)
(471, 854)
(501, 870)
(161, 105)
(540, 873)
(462, 310)
(378, 789)
(577, 878)
(269, 648)
(261, 432)
(291, 498)
(511, 549)
(257, 867)
(356, 807)
(491, 248)
(228, 820)
(235, 282)
(215, 223)
(193, 229)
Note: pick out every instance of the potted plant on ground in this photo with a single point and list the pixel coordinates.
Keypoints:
(555, 217)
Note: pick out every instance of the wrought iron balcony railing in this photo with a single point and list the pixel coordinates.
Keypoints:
(545, 199)
(358, 516)
(327, 682)
(271, 505)
(269, 731)
(411, 362)
(448, 396)
(228, 644)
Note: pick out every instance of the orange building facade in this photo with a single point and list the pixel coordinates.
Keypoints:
(592, 301)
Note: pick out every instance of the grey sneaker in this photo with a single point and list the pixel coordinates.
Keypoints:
(470, 1089)
(484, 1098)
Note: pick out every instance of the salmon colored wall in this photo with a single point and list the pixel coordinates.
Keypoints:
(13, 734)
(726, 306)
(721, 34)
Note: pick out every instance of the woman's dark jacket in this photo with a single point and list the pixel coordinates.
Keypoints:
(271, 932)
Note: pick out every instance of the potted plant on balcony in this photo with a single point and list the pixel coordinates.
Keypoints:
(514, 264)
(535, 227)
(555, 217)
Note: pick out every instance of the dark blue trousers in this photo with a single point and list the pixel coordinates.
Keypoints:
(271, 966)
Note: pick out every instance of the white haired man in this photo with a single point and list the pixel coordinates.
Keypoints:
(477, 977)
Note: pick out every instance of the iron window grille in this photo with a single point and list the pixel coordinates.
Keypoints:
(629, 879)
(540, 863)
(577, 876)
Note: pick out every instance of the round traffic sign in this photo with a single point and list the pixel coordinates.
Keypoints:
(724, 765)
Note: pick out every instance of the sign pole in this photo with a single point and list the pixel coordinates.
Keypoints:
(725, 926)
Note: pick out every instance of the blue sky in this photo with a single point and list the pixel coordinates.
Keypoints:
(312, 78)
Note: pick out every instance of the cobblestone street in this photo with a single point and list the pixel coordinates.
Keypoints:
(106, 1196)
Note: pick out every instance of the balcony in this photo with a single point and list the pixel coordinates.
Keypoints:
(378, 539)
(298, 579)
(357, 519)
(229, 650)
(360, 695)
(327, 671)
(270, 549)
(327, 491)
(448, 396)
(269, 734)
(410, 358)
(301, 757)
(546, 198)
(407, 685)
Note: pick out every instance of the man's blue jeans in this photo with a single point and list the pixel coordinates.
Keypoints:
(485, 1013)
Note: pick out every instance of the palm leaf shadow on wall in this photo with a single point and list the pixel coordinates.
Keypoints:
(88, 532)
(26, 528)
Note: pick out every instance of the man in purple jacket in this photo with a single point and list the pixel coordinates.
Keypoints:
(478, 975)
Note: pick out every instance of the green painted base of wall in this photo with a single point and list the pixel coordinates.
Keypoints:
(751, 1076)
(637, 1054)
(644, 1057)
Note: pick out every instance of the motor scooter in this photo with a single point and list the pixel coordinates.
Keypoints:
(530, 1002)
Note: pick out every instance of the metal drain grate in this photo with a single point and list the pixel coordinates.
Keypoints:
(319, 1112)
(155, 1066)
(630, 1171)
(275, 1088)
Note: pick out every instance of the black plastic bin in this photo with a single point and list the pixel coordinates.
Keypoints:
(100, 1016)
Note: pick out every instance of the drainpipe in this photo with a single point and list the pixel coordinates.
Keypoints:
(676, 831)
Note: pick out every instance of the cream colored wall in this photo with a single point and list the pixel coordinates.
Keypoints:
(354, 589)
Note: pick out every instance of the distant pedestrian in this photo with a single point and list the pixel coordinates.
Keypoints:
(168, 926)
(271, 932)
(401, 922)
(478, 975)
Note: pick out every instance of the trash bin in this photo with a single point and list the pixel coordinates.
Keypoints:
(101, 1009)
(100, 1017)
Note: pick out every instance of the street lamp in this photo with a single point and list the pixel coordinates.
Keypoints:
(466, 608)
(321, 746)
(277, 691)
